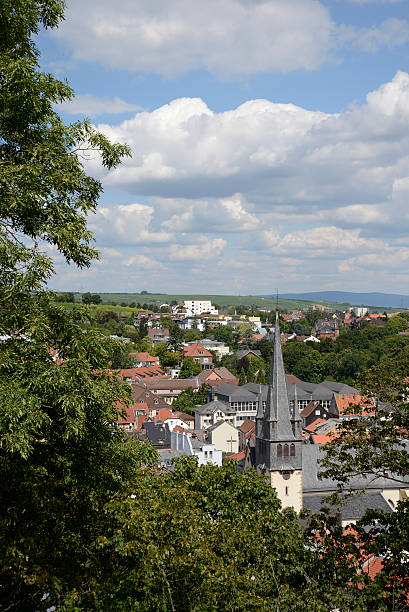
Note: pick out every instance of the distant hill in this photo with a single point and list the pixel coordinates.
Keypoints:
(388, 300)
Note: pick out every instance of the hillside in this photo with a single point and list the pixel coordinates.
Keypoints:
(387, 300)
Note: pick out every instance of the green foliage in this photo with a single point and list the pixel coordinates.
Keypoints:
(224, 333)
(189, 399)
(189, 368)
(91, 298)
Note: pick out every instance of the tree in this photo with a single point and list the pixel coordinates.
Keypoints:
(190, 367)
(376, 446)
(224, 333)
(91, 298)
(189, 399)
(176, 336)
(62, 455)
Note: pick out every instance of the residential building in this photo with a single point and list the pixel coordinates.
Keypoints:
(198, 307)
(313, 411)
(158, 334)
(168, 389)
(217, 376)
(198, 352)
(142, 373)
(213, 345)
(144, 359)
(142, 395)
(326, 329)
(208, 414)
(205, 452)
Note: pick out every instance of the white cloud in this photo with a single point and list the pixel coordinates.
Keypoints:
(272, 154)
(126, 224)
(390, 33)
(223, 215)
(231, 37)
(92, 106)
(202, 250)
(142, 262)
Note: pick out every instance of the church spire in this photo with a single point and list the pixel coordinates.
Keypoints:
(277, 414)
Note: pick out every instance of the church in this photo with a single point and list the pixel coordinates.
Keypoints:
(291, 466)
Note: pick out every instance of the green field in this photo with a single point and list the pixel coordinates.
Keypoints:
(222, 300)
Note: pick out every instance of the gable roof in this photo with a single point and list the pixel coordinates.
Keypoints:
(221, 374)
(310, 407)
(196, 350)
(213, 407)
(219, 423)
(313, 426)
(247, 426)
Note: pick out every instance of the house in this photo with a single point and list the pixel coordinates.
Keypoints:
(208, 414)
(204, 451)
(248, 353)
(214, 345)
(188, 419)
(224, 436)
(326, 329)
(198, 352)
(312, 411)
(192, 323)
(158, 334)
(142, 395)
(158, 434)
(217, 376)
(241, 400)
(145, 359)
(133, 416)
(168, 388)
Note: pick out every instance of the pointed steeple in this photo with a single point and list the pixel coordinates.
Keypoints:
(277, 413)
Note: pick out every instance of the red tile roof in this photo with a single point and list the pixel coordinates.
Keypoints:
(345, 403)
(196, 350)
(247, 426)
(144, 373)
(238, 456)
(313, 426)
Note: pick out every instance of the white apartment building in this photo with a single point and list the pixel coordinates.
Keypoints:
(197, 307)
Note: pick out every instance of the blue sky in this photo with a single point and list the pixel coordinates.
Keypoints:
(270, 142)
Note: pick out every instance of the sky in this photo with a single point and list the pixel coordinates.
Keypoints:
(270, 143)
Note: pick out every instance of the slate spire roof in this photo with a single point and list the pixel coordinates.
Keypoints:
(277, 407)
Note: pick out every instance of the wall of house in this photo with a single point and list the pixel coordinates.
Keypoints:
(225, 438)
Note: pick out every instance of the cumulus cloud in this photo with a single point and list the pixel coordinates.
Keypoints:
(127, 224)
(272, 154)
(202, 249)
(92, 106)
(223, 215)
(231, 37)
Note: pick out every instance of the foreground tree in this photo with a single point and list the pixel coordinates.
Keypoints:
(377, 446)
(62, 456)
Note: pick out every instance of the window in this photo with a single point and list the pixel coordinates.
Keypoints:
(285, 450)
(286, 490)
(292, 450)
(279, 450)
(156, 401)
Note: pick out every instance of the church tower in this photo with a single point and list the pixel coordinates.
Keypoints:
(279, 435)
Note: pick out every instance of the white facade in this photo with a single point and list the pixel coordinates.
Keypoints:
(206, 453)
(197, 307)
